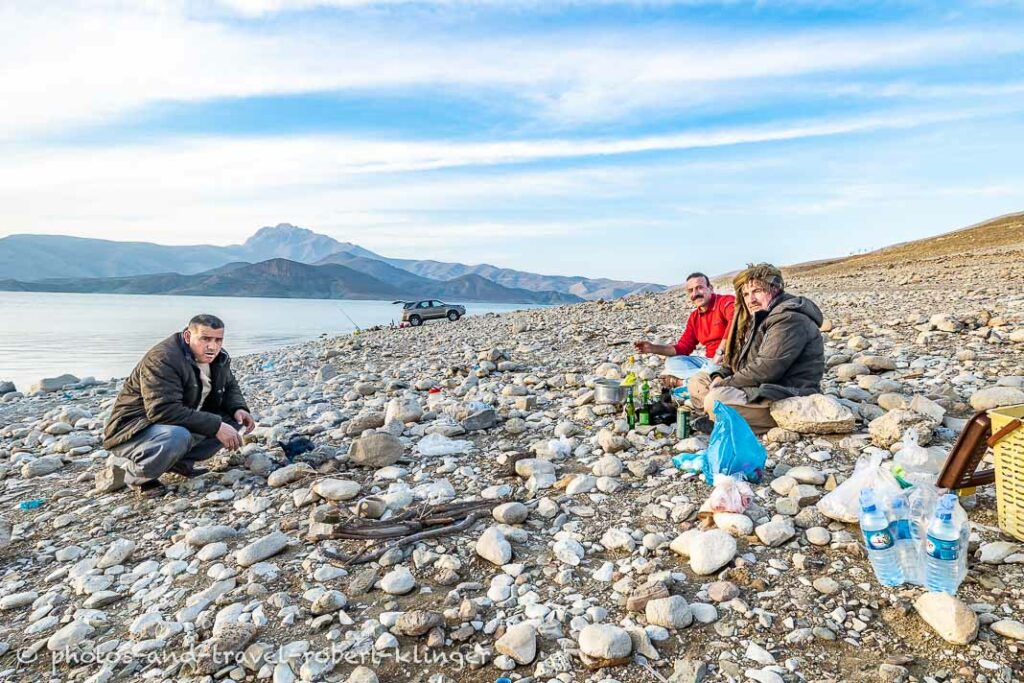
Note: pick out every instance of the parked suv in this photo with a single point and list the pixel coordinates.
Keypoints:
(416, 312)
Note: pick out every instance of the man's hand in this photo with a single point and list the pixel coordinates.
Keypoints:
(229, 436)
(245, 419)
(644, 346)
(716, 381)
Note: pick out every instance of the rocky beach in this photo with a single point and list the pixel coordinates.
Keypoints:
(586, 556)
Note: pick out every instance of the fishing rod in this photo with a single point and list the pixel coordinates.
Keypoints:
(349, 318)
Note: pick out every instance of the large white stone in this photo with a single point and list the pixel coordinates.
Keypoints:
(398, 581)
(119, 551)
(948, 616)
(996, 397)
(376, 449)
(711, 551)
(337, 489)
(69, 636)
(262, 548)
(493, 547)
(605, 642)
(670, 612)
(519, 643)
(816, 414)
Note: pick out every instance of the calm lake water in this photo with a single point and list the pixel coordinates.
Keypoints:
(104, 335)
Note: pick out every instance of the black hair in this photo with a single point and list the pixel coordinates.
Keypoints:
(707, 280)
(206, 320)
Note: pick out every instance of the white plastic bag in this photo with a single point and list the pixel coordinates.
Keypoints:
(916, 458)
(843, 504)
(730, 494)
(439, 444)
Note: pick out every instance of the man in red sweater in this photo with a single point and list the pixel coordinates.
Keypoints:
(707, 325)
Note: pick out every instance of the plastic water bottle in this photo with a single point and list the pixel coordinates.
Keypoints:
(906, 548)
(942, 549)
(880, 544)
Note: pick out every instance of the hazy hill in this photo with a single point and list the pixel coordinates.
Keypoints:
(585, 288)
(1002, 236)
(283, 278)
(33, 258)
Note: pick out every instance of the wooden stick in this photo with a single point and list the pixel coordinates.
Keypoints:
(364, 557)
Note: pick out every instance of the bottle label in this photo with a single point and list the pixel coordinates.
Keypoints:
(878, 540)
(942, 549)
(900, 530)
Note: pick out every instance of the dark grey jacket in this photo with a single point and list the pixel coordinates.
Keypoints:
(783, 354)
(164, 388)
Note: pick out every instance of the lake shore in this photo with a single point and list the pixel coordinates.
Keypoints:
(552, 582)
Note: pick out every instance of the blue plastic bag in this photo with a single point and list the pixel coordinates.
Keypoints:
(733, 449)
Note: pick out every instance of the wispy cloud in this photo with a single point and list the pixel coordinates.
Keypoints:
(576, 125)
(126, 58)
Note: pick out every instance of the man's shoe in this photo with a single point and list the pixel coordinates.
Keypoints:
(187, 470)
(702, 424)
(151, 489)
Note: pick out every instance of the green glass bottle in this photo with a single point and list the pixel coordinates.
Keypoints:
(645, 393)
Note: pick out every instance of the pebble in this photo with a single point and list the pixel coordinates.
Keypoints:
(712, 551)
(519, 643)
(948, 616)
(670, 612)
(261, 549)
(398, 581)
(596, 512)
(493, 547)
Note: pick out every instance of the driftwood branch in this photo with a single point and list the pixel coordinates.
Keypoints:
(368, 556)
(409, 527)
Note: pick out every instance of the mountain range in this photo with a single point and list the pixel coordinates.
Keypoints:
(278, 261)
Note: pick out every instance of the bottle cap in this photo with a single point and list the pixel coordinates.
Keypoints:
(944, 508)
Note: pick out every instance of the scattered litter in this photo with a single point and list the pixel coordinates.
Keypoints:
(30, 504)
(916, 458)
(733, 447)
(439, 444)
(843, 504)
(730, 494)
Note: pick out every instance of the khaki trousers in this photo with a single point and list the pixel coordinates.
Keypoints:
(703, 397)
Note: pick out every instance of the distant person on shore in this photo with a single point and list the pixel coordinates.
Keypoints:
(774, 350)
(707, 326)
(180, 405)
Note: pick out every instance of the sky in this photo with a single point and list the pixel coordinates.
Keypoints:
(629, 139)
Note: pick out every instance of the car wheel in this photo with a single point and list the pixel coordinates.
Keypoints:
(415, 320)
(453, 315)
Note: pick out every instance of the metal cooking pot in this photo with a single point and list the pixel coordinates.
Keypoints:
(609, 391)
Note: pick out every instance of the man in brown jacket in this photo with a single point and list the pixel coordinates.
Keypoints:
(180, 405)
(774, 350)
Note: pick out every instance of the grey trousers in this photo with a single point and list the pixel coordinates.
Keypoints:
(157, 448)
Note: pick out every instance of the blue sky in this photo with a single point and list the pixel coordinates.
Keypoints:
(636, 140)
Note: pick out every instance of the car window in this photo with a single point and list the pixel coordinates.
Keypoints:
(440, 303)
(424, 304)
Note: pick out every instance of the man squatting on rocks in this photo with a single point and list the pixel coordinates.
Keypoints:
(707, 325)
(180, 405)
(774, 350)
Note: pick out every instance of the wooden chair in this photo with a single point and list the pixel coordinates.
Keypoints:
(961, 468)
